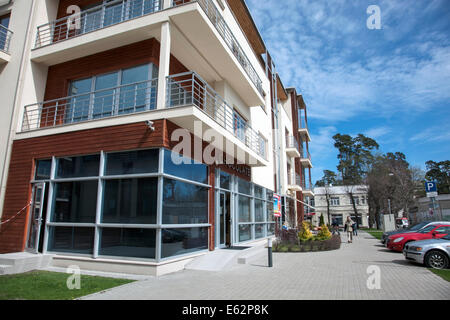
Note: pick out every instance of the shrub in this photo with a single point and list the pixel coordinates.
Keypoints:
(321, 220)
(305, 234)
(324, 233)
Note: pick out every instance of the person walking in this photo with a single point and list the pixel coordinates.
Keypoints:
(355, 229)
(349, 228)
(335, 227)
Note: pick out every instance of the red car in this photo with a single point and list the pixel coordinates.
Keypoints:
(396, 242)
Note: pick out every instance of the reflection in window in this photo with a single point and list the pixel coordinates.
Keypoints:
(190, 171)
(181, 241)
(225, 180)
(75, 201)
(259, 211)
(271, 229)
(124, 242)
(184, 203)
(245, 232)
(71, 239)
(132, 162)
(71, 167)
(43, 168)
(130, 201)
(259, 231)
(244, 209)
(244, 186)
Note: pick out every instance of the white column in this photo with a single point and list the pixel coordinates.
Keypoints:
(164, 63)
(167, 4)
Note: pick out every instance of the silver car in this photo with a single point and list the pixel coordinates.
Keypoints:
(434, 253)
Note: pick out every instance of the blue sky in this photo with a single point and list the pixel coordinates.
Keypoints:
(391, 84)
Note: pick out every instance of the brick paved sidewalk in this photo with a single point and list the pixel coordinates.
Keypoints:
(339, 274)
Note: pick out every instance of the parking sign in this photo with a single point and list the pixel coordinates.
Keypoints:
(431, 189)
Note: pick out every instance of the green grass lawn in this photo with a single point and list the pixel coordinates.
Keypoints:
(44, 285)
(444, 274)
(375, 233)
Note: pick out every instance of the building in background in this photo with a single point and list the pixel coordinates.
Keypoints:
(424, 211)
(103, 99)
(336, 200)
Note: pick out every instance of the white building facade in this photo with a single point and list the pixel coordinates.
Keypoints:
(334, 203)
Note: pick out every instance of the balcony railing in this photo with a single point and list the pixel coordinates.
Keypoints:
(190, 89)
(120, 100)
(292, 143)
(294, 179)
(95, 18)
(305, 154)
(307, 185)
(5, 38)
(227, 35)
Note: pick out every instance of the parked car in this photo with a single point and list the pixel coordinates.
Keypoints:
(413, 228)
(396, 242)
(433, 253)
(401, 223)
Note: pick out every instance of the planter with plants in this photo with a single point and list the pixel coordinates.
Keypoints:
(304, 240)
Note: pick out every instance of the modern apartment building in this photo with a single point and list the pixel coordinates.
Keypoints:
(335, 203)
(144, 130)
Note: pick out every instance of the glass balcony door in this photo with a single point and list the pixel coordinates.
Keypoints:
(120, 92)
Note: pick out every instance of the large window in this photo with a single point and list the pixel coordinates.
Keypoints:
(139, 243)
(183, 241)
(75, 201)
(122, 204)
(119, 92)
(180, 166)
(143, 161)
(130, 201)
(184, 203)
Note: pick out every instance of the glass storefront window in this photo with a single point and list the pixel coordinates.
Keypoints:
(43, 168)
(75, 167)
(124, 242)
(259, 211)
(245, 232)
(259, 191)
(244, 209)
(225, 180)
(187, 169)
(130, 201)
(184, 203)
(271, 229)
(181, 241)
(259, 231)
(75, 201)
(244, 187)
(71, 239)
(132, 162)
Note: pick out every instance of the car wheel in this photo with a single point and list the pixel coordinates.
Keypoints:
(436, 260)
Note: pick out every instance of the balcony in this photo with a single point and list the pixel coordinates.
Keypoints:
(189, 101)
(199, 38)
(227, 35)
(102, 16)
(294, 182)
(307, 188)
(292, 148)
(305, 159)
(108, 103)
(5, 40)
(187, 89)
(303, 126)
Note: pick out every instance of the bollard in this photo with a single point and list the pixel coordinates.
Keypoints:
(269, 247)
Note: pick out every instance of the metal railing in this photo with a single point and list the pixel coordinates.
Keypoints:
(120, 100)
(190, 89)
(302, 120)
(227, 35)
(294, 179)
(5, 38)
(305, 154)
(306, 184)
(95, 18)
(292, 143)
